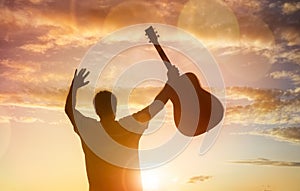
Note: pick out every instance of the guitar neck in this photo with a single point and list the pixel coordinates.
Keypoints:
(163, 55)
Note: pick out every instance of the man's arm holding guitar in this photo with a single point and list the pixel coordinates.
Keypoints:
(160, 100)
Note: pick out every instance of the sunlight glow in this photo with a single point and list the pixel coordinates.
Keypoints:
(150, 181)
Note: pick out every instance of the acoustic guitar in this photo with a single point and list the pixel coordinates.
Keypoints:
(195, 110)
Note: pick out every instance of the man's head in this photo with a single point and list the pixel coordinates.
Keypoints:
(105, 104)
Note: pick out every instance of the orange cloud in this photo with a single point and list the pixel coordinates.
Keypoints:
(27, 83)
(266, 107)
(58, 29)
(289, 134)
(198, 179)
(30, 74)
(135, 12)
(290, 7)
(212, 21)
(291, 35)
(263, 161)
(48, 27)
(5, 119)
(52, 99)
(294, 76)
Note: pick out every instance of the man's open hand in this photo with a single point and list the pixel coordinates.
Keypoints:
(79, 79)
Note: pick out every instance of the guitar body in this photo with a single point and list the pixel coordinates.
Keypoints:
(196, 111)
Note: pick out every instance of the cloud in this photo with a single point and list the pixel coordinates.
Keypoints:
(288, 56)
(198, 179)
(271, 19)
(23, 118)
(132, 12)
(291, 35)
(289, 134)
(27, 119)
(245, 105)
(244, 62)
(245, 6)
(46, 32)
(53, 25)
(21, 114)
(148, 94)
(49, 98)
(33, 29)
(211, 21)
(293, 76)
(263, 106)
(268, 162)
(19, 71)
(31, 84)
(5, 119)
(32, 73)
(290, 8)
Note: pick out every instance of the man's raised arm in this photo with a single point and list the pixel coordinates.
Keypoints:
(160, 100)
(77, 82)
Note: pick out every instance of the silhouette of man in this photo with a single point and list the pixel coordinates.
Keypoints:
(103, 176)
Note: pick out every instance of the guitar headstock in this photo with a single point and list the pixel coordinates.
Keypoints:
(152, 35)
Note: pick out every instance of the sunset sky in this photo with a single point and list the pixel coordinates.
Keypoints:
(255, 43)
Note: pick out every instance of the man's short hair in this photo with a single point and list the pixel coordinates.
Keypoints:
(105, 103)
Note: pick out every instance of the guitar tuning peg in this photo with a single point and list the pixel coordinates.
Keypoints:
(158, 36)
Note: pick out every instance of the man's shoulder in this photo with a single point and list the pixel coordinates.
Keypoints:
(83, 120)
(130, 123)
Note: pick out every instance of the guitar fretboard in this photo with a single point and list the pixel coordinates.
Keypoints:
(163, 55)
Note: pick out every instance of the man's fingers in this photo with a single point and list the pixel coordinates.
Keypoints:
(81, 72)
(85, 75)
(81, 75)
(85, 83)
(75, 73)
